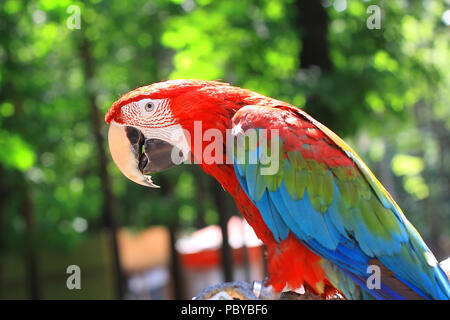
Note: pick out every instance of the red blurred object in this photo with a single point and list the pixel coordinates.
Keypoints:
(213, 258)
(202, 248)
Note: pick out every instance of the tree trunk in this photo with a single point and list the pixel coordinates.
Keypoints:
(30, 250)
(200, 198)
(176, 271)
(313, 26)
(175, 264)
(108, 198)
(220, 198)
(2, 202)
(442, 136)
(245, 252)
(434, 202)
(312, 23)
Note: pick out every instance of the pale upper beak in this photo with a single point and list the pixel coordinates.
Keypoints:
(126, 156)
(137, 156)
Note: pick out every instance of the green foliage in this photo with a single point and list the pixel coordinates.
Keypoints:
(16, 153)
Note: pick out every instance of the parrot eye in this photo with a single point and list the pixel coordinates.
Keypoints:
(149, 106)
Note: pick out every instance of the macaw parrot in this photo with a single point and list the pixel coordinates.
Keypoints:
(327, 222)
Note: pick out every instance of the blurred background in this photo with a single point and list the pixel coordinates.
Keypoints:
(375, 72)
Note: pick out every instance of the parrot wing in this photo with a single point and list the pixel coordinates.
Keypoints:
(325, 195)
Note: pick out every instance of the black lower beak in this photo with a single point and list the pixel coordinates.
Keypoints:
(153, 155)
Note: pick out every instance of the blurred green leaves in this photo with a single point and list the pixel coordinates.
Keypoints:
(417, 186)
(403, 164)
(6, 109)
(411, 167)
(16, 153)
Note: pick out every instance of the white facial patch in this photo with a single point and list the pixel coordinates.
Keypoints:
(148, 113)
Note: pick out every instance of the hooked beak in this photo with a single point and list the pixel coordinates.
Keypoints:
(137, 156)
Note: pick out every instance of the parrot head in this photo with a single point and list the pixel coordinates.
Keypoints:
(151, 126)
